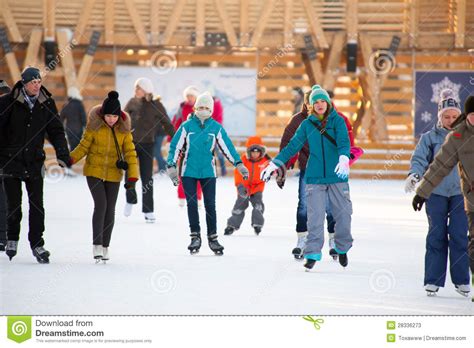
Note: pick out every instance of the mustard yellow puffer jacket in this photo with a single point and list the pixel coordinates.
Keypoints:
(98, 145)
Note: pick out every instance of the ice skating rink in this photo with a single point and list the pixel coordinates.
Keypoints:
(151, 271)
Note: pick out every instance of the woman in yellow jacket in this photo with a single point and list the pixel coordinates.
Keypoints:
(108, 147)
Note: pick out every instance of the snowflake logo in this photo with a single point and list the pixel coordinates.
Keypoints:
(443, 84)
(426, 117)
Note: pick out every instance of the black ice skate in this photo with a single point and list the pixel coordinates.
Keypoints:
(195, 243)
(41, 254)
(12, 246)
(343, 260)
(229, 230)
(215, 246)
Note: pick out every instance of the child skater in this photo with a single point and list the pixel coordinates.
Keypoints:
(196, 140)
(250, 190)
(327, 173)
(445, 210)
(108, 147)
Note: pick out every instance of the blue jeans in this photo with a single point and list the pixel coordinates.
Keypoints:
(447, 231)
(157, 152)
(301, 210)
(208, 186)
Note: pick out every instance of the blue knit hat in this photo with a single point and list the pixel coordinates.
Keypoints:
(30, 74)
(319, 93)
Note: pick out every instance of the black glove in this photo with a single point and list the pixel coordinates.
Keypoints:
(121, 164)
(130, 185)
(418, 202)
(65, 161)
(280, 181)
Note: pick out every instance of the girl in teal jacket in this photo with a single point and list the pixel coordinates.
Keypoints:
(327, 174)
(195, 142)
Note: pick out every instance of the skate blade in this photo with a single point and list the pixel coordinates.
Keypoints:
(298, 257)
(431, 294)
(218, 253)
(150, 221)
(465, 294)
(194, 252)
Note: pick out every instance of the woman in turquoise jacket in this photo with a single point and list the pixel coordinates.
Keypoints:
(195, 142)
(327, 173)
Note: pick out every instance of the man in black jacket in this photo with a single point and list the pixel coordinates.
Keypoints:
(27, 114)
(4, 89)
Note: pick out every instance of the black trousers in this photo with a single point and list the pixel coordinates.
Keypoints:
(209, 192)
(13, 193)
(104, 194)
(145, 162)
(3, 214)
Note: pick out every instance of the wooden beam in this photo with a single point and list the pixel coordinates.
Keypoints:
(229, 29)
(200, 22)
(352, 19)
(13, 66)
(314, 70)
(334, 60)
(460, 23)
(287, 23)
(262, 22)
(83, 19)
(155, 22)
(315, 25)
(67, 60)
(137, 22)
(413, 29)
(49, 19)
(244, 23)
(109, 21)
(87, 60)
(373, 91)
(34, 43)
(173, 21)
(10, 21)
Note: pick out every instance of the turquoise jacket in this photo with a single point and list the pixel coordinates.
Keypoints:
(323, 155)
(197, 141)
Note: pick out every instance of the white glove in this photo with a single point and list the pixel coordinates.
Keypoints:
(268, 171)
(411, 182)
(342, 168)
(173, 174)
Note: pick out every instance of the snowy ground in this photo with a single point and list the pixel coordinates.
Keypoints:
(151, 271)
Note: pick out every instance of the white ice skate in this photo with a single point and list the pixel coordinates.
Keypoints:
(181, 202)
(463, 290)
(150, 218)
(98, 252)
(298, 251)
(128, 209)
(431, 290)
(105, 256)
(332, 247)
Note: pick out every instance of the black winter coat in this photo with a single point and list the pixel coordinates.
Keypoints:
(73, 116)
(23, 131)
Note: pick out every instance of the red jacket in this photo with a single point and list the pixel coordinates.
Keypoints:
(253, 184)
(181, 116)
(218, 113)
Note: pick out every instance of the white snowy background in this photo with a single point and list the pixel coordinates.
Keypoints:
(151, 271)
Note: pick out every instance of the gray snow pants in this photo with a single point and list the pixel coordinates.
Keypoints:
(339, 199)
(242, 203)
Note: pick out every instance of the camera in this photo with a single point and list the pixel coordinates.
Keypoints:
(120, 164)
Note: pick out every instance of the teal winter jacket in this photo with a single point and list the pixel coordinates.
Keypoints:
(323, 154)
(196, 141)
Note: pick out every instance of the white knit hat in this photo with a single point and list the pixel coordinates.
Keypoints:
(190, 90)
(145, 84)
(447, 101)
(73, 92)
(205, 100)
